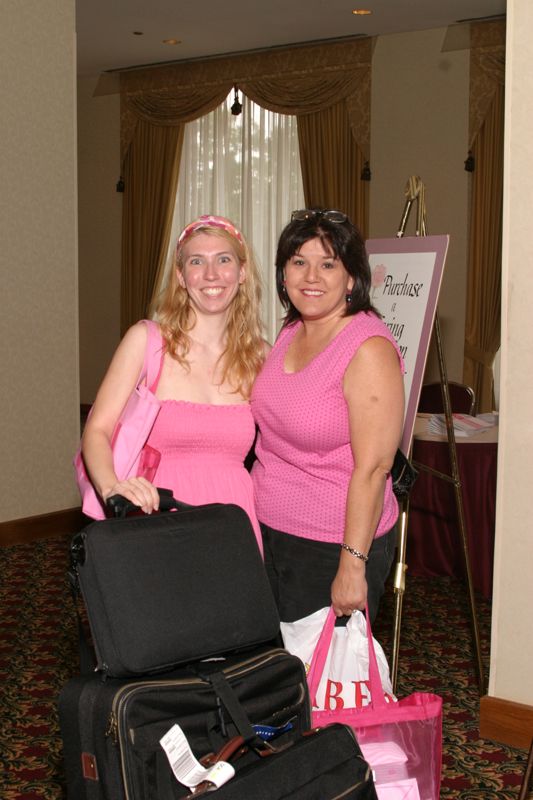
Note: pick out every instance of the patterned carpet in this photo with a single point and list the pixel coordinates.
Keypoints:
(38, 641)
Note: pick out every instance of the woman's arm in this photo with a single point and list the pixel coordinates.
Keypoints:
(374, 392)
(119, 382)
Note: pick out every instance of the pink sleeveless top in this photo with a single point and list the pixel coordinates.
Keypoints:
(304, 455)
(203, 448)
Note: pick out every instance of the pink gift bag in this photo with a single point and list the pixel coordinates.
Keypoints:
(402, 741)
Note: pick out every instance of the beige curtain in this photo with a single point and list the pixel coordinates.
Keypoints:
(482, 330)
(332, 163)
(330, 84)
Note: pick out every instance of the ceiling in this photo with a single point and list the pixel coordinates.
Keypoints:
(107, 38)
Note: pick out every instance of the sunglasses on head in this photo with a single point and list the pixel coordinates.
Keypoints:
(307, 213)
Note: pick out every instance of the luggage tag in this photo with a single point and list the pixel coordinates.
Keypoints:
(186, 767)
(269, 732)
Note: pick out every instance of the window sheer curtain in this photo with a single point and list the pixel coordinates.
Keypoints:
(247, 168)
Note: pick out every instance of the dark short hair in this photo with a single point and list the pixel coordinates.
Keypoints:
(344, 241)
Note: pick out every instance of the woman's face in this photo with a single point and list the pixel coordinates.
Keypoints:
(211, 273)
(317, 282)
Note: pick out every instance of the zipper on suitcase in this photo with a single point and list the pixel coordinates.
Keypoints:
(234, 671)
(116, 728)
(121, 699)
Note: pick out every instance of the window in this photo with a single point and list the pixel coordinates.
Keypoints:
(247, 168)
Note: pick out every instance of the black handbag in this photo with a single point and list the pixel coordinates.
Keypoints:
(170, 588)
(403, 475)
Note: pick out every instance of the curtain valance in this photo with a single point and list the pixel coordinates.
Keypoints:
(298, 80)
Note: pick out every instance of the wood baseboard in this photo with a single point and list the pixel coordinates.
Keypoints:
(505, 721)
(43, 526)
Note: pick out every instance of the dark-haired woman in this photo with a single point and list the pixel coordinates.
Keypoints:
(329, 404)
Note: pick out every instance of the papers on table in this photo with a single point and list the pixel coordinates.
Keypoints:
(463, 424)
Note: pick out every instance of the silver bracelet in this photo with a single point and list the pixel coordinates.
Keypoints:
(354, 552)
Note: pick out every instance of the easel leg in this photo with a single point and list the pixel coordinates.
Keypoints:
(526, 780)
(456, 479)
(415, 190)
(399, 589)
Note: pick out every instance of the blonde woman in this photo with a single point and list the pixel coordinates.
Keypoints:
(212, 350)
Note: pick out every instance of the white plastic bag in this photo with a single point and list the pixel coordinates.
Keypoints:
(344, 682)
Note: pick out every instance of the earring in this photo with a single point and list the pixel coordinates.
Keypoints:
(348, 298)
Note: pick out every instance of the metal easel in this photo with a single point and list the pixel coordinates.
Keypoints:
(415, 191)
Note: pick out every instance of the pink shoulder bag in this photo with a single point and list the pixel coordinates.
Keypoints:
(402, 741)
(130, 456)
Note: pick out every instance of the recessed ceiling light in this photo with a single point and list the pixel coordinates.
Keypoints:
(171, 41)
(361, 12)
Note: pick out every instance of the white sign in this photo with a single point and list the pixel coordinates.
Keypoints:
(406, 279)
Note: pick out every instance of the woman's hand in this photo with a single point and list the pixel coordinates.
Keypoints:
(138, 491)
(349, 589)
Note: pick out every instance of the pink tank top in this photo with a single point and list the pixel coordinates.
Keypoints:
(304, 455)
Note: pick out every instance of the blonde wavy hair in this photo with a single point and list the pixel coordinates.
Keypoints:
(244, 353)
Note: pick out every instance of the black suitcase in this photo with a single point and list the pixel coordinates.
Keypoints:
(322, 764)
(111, 728)
(172, 588)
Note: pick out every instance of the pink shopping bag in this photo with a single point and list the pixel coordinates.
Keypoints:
(402, 741)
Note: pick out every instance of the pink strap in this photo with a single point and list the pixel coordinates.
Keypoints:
(153, 355)
(316, 668)
(374, 678)
(321, 653)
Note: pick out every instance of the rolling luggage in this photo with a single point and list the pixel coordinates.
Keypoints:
(171, 588)
(111, 729)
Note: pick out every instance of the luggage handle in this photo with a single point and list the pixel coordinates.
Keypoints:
(121, 506)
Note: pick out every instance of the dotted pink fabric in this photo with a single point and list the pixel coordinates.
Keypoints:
(304, 457)
(202, 450)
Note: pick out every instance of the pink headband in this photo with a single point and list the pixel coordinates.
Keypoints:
(211, 221)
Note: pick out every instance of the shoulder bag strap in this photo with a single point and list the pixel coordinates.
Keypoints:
(153, 355)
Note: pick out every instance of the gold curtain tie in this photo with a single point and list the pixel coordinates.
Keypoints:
(483, 357)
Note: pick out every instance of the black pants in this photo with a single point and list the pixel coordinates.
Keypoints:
(301, 571)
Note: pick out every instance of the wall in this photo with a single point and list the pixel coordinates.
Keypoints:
(100, 221)
(419, 127)
(39, 418)
(512, 639)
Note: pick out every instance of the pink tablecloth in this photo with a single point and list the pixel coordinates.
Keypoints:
(434, 545)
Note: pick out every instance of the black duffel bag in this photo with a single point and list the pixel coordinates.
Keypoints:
(322, 764)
